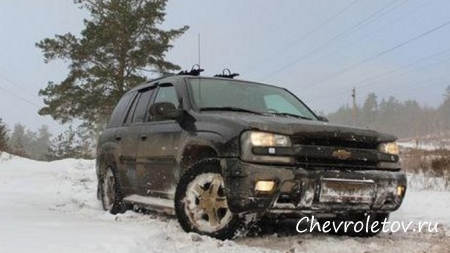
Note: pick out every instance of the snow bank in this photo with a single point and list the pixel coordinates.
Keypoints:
(51, 207)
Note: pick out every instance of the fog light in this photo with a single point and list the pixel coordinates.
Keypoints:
(400, 190)
(264, 186)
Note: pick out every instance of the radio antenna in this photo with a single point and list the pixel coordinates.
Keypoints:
(199, 55)
(200, 70)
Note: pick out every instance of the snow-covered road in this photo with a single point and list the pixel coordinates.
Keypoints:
(51, 207)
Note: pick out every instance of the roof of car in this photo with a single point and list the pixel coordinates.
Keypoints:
(193, 73)
(175, 76)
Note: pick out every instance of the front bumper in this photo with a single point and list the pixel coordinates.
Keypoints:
(311, 191)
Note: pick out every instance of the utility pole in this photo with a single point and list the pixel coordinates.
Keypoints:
(354, 105)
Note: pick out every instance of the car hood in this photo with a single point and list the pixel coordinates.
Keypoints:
(296, 127)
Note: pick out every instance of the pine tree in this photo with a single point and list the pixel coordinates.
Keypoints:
(370, 110)
(18, 141)
(68, 144)
(40, 143)
(119, 44)
(445, 107)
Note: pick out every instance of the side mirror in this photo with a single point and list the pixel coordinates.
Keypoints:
(165, 110)
(322, 118)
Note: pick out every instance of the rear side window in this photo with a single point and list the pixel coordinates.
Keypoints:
(118, 114)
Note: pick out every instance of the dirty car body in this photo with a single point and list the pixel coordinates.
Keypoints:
(276, 157)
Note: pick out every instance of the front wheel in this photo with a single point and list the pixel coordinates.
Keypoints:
(200, 202)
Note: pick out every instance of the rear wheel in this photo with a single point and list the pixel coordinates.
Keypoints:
(111, 195)
(200, 202)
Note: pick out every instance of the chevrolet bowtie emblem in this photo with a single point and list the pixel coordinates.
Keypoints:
(342, 154)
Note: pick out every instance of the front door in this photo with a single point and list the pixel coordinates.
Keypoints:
(158, 146)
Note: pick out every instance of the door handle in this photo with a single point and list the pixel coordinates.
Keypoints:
(118, 138)
(144, 137)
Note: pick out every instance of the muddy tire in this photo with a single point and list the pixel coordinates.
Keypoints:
(201, 205)
(110, 192)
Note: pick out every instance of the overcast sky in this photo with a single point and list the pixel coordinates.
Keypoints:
(318, 49)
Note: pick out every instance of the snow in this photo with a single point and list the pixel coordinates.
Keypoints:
(425, 144)
(52, 207)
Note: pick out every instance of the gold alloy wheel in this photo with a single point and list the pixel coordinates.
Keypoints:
(206, 204)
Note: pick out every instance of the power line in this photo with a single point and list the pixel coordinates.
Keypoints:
(374, 16)
(14, 94)
(420, 84)
(19, 97)
(369, 36)
(444, 79)
(304, 36)
(373, 80)
(376, 78)
(353, 43)
(17, 85)
(421, 87)
(381, 53)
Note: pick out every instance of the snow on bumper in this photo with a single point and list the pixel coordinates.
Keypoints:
(300, 191)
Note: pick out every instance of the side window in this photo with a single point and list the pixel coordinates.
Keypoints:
(142, 105)
(167, 93)
(119, 112)
(131, 110)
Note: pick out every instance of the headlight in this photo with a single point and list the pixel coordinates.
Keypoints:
(262, 139)
(390, 148)
(263, 147)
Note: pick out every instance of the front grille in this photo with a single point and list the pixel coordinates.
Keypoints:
(308, 162)
(329, 153)
(334, 142)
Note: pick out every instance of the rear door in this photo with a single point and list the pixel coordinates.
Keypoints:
(118, 134)
(129, 138)
(158, 146)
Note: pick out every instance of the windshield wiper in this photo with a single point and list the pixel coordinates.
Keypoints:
(229, 108)
(289, 114)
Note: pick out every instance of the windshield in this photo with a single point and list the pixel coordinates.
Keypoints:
(211, 94)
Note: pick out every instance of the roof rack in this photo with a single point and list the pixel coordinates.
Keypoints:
(226, 73)
(163, 75)
(195, 71)
(167, 74)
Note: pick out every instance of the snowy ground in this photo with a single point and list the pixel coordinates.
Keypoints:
(51, 207)
(425, 144)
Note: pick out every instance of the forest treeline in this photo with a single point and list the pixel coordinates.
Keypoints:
(405, 119)
(42, 146)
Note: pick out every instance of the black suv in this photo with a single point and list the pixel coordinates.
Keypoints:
(220, 152)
